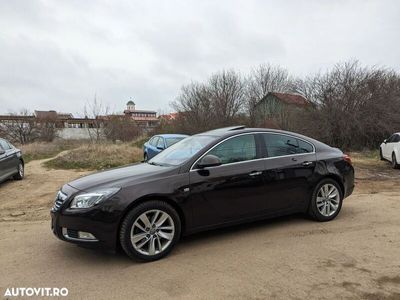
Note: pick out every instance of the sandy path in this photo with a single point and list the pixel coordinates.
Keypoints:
(357, 256)
(32, 198)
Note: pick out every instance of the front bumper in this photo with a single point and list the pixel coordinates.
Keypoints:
(63, 225)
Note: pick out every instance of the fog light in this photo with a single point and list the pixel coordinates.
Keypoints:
(86, 235)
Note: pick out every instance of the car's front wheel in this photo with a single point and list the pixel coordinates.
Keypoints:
(395, 165)
(326, 200)
(150, 230)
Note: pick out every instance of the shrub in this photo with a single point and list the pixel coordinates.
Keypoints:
(96, 157)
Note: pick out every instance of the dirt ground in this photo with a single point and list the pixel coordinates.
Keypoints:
(357, 256)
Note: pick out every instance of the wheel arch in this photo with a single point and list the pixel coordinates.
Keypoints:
(337, 179)
(334, 177)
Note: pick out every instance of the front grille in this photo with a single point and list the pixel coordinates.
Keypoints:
(60, 199)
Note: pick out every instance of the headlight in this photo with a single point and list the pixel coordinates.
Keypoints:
(91, 199)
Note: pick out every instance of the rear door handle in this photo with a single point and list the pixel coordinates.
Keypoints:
(255, 173)
(307, 163)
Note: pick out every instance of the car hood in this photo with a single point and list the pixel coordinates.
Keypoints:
(122, 177)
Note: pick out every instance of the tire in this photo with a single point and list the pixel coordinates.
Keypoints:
(145, 157)
(21, 171)
(325, 208)
(162, 237)
(380, 154)
(395, 165)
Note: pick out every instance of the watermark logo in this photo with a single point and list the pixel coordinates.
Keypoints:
(36, 292)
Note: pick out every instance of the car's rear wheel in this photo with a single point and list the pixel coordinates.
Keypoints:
(150, 230)
(21, 171)
(395, 165)
(326, 200)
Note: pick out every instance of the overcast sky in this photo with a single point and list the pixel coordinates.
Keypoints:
(59, 54)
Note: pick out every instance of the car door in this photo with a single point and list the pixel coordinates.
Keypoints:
(289, 168)
(394, 145)
(231, 191)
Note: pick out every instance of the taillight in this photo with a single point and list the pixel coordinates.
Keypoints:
(347, 158)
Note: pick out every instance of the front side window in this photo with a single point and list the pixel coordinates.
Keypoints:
(281, 145)
(390, 139)
(240, 148)
(160, 143)
(154, 141)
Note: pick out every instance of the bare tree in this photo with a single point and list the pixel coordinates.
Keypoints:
(219, 102)
(20, 128)
(262, 80)
(355, 106)
(96, 110)
(121, 128)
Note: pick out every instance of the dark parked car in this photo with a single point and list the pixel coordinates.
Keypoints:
(218, 178)
(159, 143)
(11, 161)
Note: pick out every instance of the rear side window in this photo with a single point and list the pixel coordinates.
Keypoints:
(281, 145)
(240, 148)
(305, 147)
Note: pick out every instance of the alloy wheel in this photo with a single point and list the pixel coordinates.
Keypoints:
(152, 232)
(328, 199)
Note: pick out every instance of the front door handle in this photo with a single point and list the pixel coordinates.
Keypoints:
(307, 163)
(255, 173)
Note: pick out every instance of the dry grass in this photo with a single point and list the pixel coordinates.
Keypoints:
(97, 157)
(41, 150)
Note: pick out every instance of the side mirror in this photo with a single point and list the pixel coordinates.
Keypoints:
(160, 148)
(2, 151)
(209, 161)
(385, 141)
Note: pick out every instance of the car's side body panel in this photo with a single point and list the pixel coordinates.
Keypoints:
(391, 146)
(9, 160)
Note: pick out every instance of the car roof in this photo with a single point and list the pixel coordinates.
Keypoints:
(234, 130)
(172, 135)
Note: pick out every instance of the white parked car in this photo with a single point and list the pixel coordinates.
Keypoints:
(390, 150)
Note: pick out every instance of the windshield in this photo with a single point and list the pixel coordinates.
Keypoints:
(171, 141)
(182, 151)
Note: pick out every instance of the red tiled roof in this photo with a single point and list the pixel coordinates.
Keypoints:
(291, 98)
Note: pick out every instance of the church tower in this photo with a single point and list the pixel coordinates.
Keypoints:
(130, 106)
